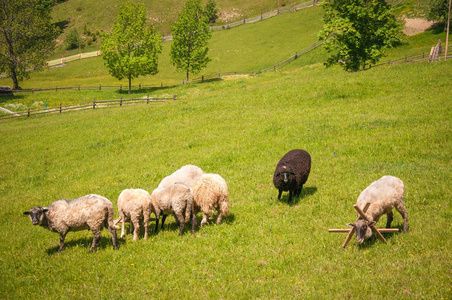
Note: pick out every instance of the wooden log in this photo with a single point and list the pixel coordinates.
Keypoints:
(382, 230)
(349, 237)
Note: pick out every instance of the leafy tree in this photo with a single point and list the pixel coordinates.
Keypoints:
(439, 10)
(73, 40)
(211, 11)
(132, 49)
(26, 36)
(191, 32)
(357, 32)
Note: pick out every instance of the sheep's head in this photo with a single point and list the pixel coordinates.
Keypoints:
(37, 214)
(363, 230)
(286, 173)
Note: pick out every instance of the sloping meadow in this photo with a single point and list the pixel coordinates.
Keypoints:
(357, 128)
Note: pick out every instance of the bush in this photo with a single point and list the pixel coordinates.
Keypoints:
(73, 40)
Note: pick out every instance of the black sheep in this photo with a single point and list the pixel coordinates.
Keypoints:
(291, 172)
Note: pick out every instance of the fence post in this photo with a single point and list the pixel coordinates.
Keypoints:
(406, 57)
(147, 102)
(139, 86)
(79, 87)
(296, 55)
(100, 87)
(28, 112)
(32, 91)
(244, 20)
(94, 103)
(161, 85)
(261, 15)
(56, 89)
(120, 87)
(174, 97)
(202, 78)
(61, 107)
(120, 101)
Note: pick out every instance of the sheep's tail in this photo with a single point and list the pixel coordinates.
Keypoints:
(111, 222)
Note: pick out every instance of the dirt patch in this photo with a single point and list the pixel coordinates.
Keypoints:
(417, 25)
(229, 16)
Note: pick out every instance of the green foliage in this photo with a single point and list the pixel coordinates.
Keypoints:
(26, 37)
(191, 33)
(131, 50)
(439, 10)
(357, 32)
(73, 40)
(211, 11)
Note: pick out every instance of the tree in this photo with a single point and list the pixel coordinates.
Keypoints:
(357, 32)
(191, 32)
(26, 36)
(211, 11)
(439, 10)
(73, 40)
(131, 49)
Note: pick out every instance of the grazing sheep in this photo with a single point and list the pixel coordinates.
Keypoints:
(291, 172)
(188, 175)
(91, 212)
(211, 193)
(383, 195)
(175, 198)
(134, 205)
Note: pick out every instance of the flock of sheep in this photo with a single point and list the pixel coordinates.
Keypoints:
(189, 191)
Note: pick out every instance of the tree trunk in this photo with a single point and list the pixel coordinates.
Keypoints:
(130, 83)
(14, 78)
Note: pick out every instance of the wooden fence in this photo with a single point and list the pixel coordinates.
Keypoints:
(91, 105)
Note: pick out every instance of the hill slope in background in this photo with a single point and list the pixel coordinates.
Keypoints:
(100, 15)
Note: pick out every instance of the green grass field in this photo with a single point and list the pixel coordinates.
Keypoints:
(357, 128)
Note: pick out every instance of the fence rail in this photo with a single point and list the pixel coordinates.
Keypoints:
(91, 105)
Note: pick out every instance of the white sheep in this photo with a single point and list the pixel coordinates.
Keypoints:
(383, 195)
(134, 205)
(88, 212)
(175, 198)
(210, 193)
(188, 175)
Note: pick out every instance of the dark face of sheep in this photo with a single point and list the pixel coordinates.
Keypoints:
(36, 214)
(286, 177)
(363, 230)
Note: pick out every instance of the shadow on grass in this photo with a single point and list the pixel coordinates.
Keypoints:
(86, 243)
(305, 192)
(4, 99)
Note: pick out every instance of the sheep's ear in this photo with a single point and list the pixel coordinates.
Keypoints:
(277, 175)
(292, 173)
(352, 225)
(26, 212)
(372, 223)
(44, 210)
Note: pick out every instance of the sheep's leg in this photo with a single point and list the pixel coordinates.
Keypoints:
(146, 224)
(390, 217)
(279, 194)
(62, 237)
(290, 195)
(157, 217)
(193, 222)
(123, 225)
(96, 239)
(136, 224)
(163, 220)
(219, 217)
(401, 209)
(204, 219)
(181, 219)
(114, 237)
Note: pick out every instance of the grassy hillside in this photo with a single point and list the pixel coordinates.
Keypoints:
(244, 49)
(100, 15)
(357, 127)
